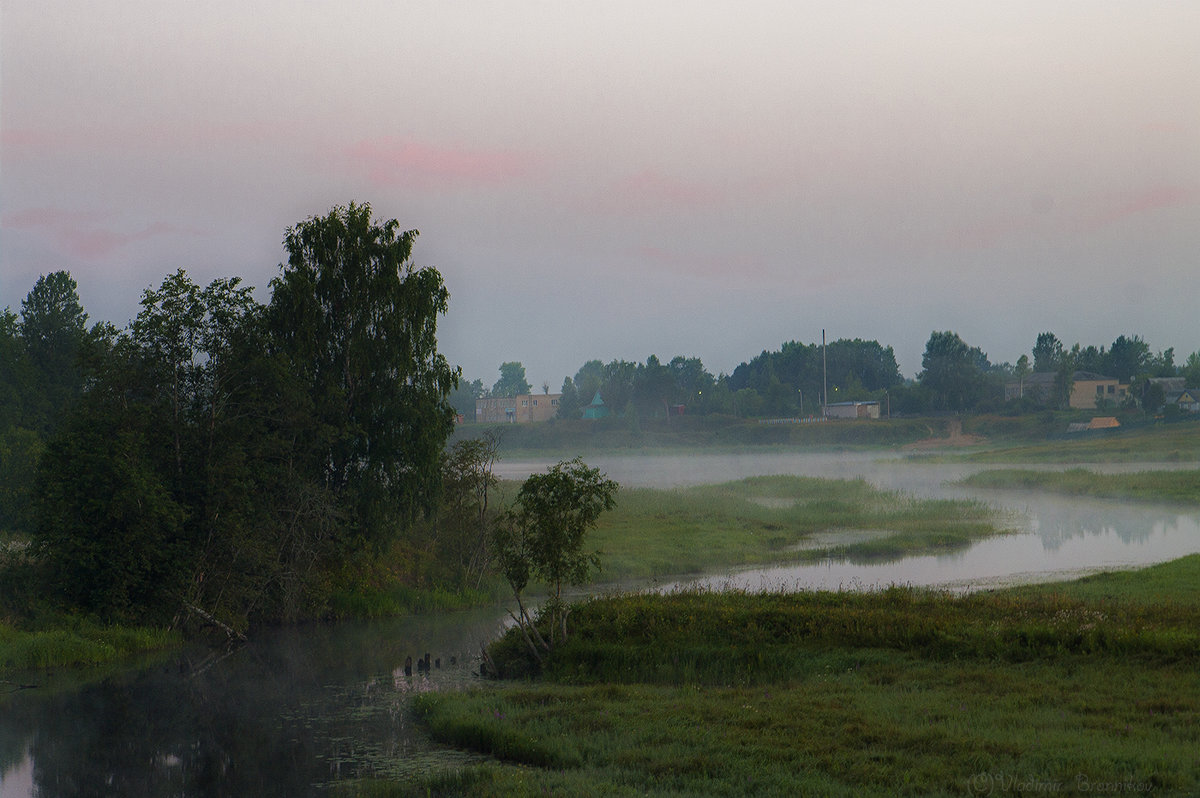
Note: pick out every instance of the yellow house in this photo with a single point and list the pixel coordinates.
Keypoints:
(1089, 389)
(524, 409)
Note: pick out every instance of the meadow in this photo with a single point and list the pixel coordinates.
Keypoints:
(1012, 441)
(1075, 688)
(774, 519)
(1174, 486)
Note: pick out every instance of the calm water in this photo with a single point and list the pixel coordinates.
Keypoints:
(298, 709)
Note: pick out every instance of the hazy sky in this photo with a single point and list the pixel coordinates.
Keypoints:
(614, 180)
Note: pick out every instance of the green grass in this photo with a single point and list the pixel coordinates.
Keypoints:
(72, 642)
(1178, 442)
(776, 519)
(1171, 583)
(558, 438)
(1181, 487)
(1090, 686)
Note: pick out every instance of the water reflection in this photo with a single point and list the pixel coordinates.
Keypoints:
(287, 713)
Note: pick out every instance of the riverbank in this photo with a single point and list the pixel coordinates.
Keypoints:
(1176, 442)
(1076, 687)
(1176, 487)
(72, 642)
(1027, 438)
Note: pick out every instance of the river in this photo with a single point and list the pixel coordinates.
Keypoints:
(298, 709)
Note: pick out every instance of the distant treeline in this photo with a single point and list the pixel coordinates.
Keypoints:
(792, 380)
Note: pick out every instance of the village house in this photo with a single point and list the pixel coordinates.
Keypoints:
(524, 409)
(1088, 389)
(1187, 400)
(1175, 393)
(852, 410)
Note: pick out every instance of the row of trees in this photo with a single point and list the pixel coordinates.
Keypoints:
(221, 456)
(955, 377)
(785, 382)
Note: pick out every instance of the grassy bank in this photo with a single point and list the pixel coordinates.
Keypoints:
(1182, 487)
(1080, 688)
(1177, 442)
(560, 438)
(776, 519)
(69, 642)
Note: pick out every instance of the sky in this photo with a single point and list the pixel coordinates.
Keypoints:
(620, 179)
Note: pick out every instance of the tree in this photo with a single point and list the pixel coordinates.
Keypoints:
(512, 380)
(952, 371)
(618, 387)
(1047, 352)
(1129, 358)
(568, 403)
(1153, 397)
(108, 528)
(226, 458)
(1021, 372)
(465, 516)
(53, 328)
(168, 396)
(588, 380)
(542, 536)
(463, 397)
(653, 387)
(357, 323)
(1190, 370)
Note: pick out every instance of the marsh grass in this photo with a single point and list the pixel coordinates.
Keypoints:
(1181, 487)
(1079, 688)
(74, 642)
(776, 519)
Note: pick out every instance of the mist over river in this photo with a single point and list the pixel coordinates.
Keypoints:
(297, 709)
(1054, 537)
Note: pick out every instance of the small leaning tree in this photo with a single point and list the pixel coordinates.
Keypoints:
(541, 537)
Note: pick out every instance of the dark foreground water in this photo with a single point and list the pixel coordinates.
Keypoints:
(285, 715)
(299, 709)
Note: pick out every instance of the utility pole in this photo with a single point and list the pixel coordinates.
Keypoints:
(824, 377)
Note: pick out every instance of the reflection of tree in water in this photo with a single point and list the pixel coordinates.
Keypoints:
(1061, 521)
(298, 708)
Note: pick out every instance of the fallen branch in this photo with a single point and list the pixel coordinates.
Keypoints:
(15, 686)
(229, 630)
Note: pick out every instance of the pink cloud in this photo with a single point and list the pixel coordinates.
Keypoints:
(390, 161)
(82, 233)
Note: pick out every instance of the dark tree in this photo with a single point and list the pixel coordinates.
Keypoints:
(512, 380)
(952, 371)
(1128, 358)
(356, 321)
(53, 329)
(569, 405)
(1047, 352)
(462, 398)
